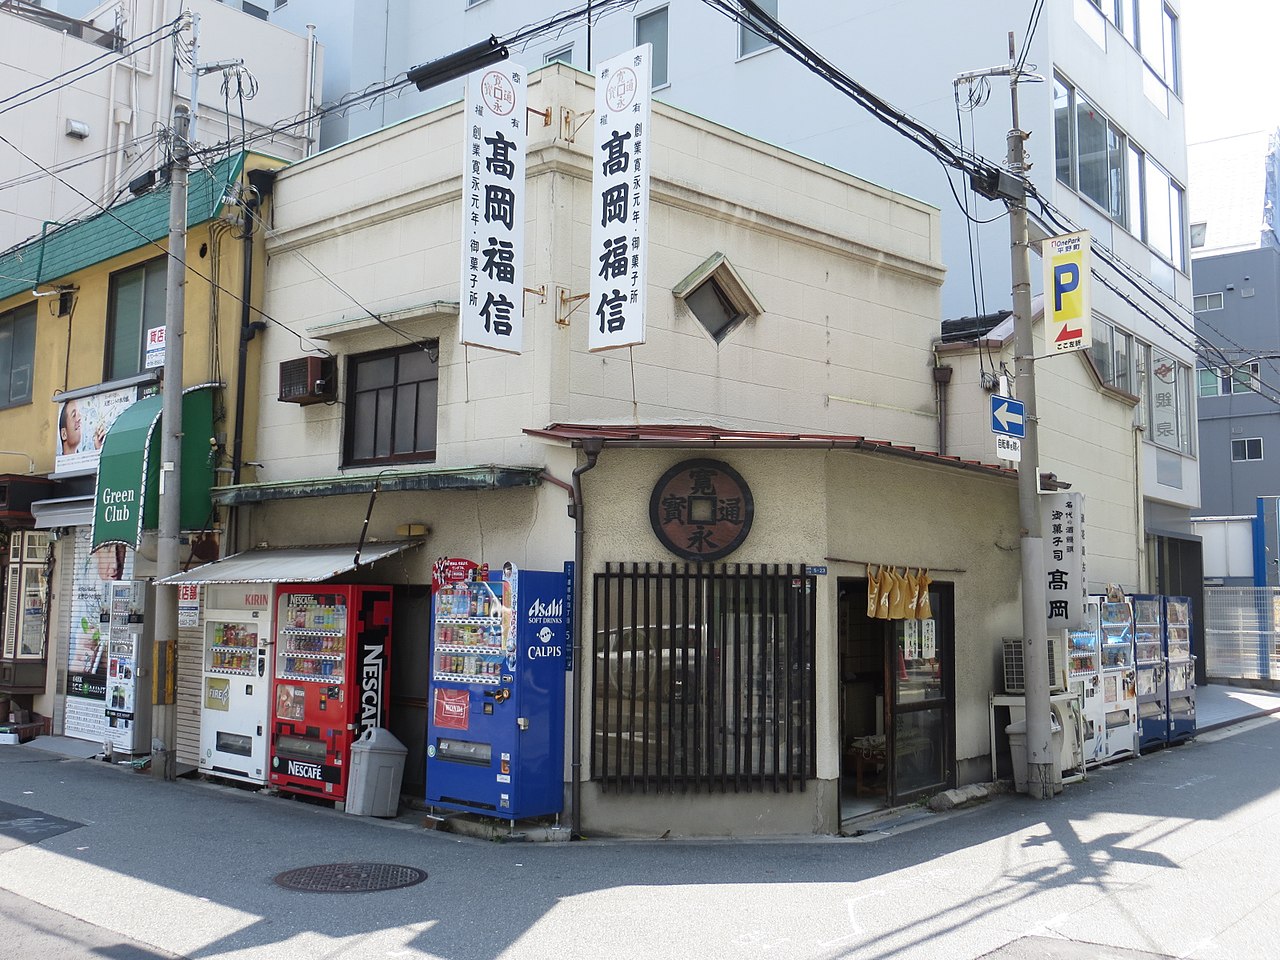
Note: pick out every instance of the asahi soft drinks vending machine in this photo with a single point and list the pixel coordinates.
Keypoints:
(128, 628)
(236, 686)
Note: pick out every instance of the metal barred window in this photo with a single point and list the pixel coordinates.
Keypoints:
(703, 677)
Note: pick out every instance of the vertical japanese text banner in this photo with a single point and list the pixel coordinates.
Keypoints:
(492, 300)
(1068, 313)
(1066, 583)
(620, 200)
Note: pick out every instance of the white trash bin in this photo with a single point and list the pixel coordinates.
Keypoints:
(377, 767)
(1017, 732)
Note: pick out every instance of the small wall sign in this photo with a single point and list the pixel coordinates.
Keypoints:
(701, 509)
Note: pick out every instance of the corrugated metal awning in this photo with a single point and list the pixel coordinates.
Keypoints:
(291, 564)
(62, 512)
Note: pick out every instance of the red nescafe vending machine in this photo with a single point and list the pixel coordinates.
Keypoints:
(333, 644)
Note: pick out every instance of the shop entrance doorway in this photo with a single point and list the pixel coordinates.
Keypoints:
(897, 701)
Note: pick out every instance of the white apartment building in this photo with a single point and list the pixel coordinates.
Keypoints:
(1107, 149)
(100, 127)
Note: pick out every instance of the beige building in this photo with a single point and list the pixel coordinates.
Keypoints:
(749, 696)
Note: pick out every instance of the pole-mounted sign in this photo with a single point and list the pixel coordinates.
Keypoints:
(1067, 311)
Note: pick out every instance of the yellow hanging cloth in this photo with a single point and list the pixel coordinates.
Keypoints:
(924, 610)
(886, 586)
(873, 592)
(913, 595)
(898, 597)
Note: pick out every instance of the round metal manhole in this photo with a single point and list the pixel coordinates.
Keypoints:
(350, 877)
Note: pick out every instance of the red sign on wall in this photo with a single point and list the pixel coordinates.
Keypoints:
(452, 708)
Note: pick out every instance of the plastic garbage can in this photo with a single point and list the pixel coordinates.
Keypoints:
(377, 767)
(1017, 733)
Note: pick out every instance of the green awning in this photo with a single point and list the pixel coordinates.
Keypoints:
(126, 501)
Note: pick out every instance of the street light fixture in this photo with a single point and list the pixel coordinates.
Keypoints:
(458, 64)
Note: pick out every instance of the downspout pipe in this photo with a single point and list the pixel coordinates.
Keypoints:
(591, 447)
(941, 378)
(262, 183)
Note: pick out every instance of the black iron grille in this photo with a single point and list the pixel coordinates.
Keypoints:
(703, 677)
(350, 877)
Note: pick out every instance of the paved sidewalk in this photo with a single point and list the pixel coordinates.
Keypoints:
(1220, 705)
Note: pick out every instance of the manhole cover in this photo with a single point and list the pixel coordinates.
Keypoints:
(350, 877)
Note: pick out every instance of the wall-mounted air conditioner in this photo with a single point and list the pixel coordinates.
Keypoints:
(308, 380)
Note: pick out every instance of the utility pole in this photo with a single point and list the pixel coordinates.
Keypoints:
(165, 715)
(1035, 640)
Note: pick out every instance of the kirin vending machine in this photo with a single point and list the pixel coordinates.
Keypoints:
(1151, 666)
(235, 710)
(331, 663)
(1085, 680)
(1182, 669)
(500, 649)
(1119, 687)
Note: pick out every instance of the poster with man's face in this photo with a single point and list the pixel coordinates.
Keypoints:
(87, 653)
(83, 424)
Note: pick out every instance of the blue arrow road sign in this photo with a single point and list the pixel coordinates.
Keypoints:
(1006, 417)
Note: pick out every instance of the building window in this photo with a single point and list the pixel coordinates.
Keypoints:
(1114, 356)
(254, 10)
(1250, 449)
(703, 678)
(1164, 215)
(392, 400)
(1225, 381)
(1203, 302)
(652, 28)
(134, 316)
(748, 40)
(1170, 413)
(563, 55)
(1092, 154)
(17, 355)
(1158, 40)
(717, 297)
(713, 309)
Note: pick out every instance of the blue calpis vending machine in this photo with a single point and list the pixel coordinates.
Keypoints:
(1181, 673)
(1151, 665)
(501, 646)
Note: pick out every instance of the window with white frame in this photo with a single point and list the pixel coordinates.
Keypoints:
(1204, 302)
(1249, 448)
(1157, 39)
(562, 55)
(1224, 381)
(651, 28)
(1170, 408)
(748, 40)
(1114, 356)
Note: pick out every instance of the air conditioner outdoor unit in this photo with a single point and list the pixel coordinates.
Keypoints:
(308, 380)
(1014, 676)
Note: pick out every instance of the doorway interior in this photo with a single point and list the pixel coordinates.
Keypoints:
(897, 701)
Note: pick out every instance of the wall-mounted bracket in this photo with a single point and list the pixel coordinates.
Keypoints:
(565, 312)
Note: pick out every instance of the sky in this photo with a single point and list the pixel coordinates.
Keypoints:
(1230, 71)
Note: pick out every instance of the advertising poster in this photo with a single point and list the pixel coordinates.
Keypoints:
(87, 657)
(83, 424)
(1068, 313)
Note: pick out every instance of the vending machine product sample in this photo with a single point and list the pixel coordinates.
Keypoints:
(236, 693)
(331, 661)
(495, 728)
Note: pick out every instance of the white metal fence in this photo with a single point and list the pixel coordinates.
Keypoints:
(1241, 632)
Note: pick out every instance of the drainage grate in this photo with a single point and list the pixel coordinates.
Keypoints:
(350, 877)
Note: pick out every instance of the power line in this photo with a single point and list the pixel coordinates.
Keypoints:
(170, 28)
(155, 243)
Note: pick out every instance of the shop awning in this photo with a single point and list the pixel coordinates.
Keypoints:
(291, 564)
(127, 497)
(62, 512)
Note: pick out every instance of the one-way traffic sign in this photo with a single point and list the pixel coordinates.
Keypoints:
(1007, 417)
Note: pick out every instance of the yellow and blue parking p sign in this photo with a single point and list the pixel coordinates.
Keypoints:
(1067, 308)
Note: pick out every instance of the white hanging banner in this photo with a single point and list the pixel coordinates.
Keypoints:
(620, 200)
(1066, 572)
(492, 301)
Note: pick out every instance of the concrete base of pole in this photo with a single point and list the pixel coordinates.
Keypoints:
(1040, 781)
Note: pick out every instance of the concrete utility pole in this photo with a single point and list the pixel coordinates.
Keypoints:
(1035, 649)
(165, 715)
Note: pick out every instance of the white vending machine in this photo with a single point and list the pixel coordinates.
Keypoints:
(128, 707)
(234, 714)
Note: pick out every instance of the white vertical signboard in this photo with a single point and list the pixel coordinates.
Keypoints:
(1066, 581)
(1068, 313)
(620, 200)
(492, 300)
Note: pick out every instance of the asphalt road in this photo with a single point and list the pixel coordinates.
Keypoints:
(1169, 855)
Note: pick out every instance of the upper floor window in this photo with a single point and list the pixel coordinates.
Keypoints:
(652, 28)
(1170, 409)
(1157, 40)
(1247, 449)
(748, 40)
(563, 55)
(17, 355)
(1224, 381)
(1114, 356)
(135, 315)
(1203, 302)
(392, 400)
